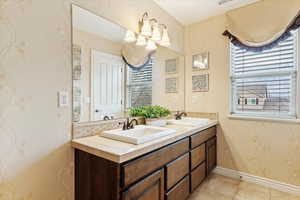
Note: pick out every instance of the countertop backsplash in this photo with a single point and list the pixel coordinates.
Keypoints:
(94, 128)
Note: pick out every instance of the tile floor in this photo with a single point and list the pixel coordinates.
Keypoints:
(218, 187)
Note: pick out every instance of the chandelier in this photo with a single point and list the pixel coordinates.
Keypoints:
(149, 34)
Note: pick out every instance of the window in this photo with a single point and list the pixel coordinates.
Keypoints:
(265, 83)
(139, 86)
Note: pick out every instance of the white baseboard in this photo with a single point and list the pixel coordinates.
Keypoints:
(258, 180)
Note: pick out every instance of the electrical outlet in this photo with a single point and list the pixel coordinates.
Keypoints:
(195, 99)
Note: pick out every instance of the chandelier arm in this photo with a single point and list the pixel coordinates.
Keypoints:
(145, 15)
(163, 25)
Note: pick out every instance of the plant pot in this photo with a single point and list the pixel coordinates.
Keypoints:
(161, 122)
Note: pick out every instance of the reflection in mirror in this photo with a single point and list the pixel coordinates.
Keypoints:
(104, 87)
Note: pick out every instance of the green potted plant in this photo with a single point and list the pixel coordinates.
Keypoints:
(154, 115)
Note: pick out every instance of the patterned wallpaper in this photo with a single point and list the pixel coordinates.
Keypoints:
(261, 148)
(36, 159)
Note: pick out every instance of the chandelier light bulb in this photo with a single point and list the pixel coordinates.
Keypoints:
(130, 36)
(141, 41)
(146, 28)
(156, 33)
(165, 40)
(151, 46)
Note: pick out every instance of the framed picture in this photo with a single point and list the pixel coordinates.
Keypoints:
(171, 66)
(200, 61)
(171, 85)
(77, 101)
(77, 62)
(200, 83)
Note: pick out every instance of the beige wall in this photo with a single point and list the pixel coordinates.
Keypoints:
(36, 160)
(173, 101)
(266, 149)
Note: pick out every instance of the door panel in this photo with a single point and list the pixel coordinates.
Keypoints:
(106, 85)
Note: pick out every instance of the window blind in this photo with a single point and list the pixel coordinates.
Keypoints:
(264, 83)
(139, 86)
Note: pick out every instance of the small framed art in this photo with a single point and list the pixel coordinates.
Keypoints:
(77, 60)
(171, 66)
(171, 85)
(200, 61)
(200, 83)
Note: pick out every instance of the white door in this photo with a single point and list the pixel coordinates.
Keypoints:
(107, 88)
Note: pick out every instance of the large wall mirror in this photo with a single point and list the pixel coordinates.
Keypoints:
(104, 87)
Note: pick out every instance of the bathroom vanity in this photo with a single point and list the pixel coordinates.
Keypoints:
(169, 168)
(112, 75)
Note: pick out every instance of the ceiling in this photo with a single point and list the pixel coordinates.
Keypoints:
(191, 11)
(94, 24)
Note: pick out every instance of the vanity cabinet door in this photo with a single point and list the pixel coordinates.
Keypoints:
(211, 154)
(150, 188)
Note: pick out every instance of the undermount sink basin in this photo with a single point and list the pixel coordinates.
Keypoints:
(139, 135)
(189, 121)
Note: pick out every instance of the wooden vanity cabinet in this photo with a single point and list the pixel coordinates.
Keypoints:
(168, 173)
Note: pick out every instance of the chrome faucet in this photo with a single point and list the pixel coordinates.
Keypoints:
(178, 115)
(129, 124)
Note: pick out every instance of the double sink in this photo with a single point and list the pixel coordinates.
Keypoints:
(142, 134)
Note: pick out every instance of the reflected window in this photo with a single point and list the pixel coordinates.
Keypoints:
(139, 86)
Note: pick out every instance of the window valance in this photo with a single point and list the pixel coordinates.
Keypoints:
(136, 57)
(262, 25)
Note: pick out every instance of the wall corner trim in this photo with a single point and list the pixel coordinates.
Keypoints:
(283, 187)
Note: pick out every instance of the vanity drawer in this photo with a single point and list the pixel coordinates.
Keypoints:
(176, 170)
(181, 191)
(203, 136)
(197, 156)
(197, 176)
(140, 167)
(151, 188)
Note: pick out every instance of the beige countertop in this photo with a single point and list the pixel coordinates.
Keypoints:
(120, 152)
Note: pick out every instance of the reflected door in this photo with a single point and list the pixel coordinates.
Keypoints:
(107, 85)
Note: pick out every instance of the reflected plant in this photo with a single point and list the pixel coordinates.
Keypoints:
(149, 111)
